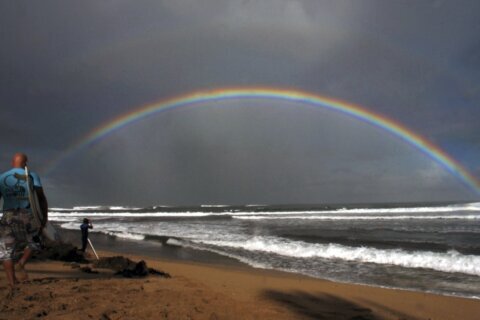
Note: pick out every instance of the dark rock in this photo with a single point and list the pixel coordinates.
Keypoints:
(61, 251)
(88, 270)
(139, 270)
(158, 273)
(128, 268)
(117, 263)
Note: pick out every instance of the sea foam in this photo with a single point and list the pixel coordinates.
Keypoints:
(450, 261)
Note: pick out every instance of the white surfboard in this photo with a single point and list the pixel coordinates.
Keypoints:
(48, 230)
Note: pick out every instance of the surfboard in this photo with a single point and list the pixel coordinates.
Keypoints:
(48, 231)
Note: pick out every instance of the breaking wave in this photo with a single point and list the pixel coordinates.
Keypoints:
(450, 261)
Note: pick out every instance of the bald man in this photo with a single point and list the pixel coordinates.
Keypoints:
(18, 229)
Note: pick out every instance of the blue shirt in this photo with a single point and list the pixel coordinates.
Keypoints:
(14, 190)
(84, 227)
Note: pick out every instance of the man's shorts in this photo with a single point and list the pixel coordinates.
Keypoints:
(17, 232)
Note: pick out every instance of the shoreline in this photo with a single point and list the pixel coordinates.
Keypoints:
(202, 290)
(160, 250)
(150, 248)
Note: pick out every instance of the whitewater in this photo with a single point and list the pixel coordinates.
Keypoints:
(432, 248)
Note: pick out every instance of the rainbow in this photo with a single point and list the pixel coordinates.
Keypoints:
(288, 95)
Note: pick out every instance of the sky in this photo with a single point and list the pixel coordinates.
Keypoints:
(69, 68)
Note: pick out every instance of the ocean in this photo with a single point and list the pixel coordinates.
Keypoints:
(423, 247)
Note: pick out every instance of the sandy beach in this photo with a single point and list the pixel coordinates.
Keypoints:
(59, 290)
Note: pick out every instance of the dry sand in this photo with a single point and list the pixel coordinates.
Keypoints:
(199, 291)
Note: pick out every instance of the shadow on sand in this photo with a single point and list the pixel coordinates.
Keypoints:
(321, 306)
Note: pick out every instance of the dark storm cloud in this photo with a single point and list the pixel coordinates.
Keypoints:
(67, 68)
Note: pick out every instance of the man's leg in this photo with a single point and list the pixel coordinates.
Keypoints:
(84, 243)
(7, 244)
(27, 233)
(21, 264)
(10, 272)
(26, 255)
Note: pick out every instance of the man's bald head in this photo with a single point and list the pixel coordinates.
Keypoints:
(19, 160)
